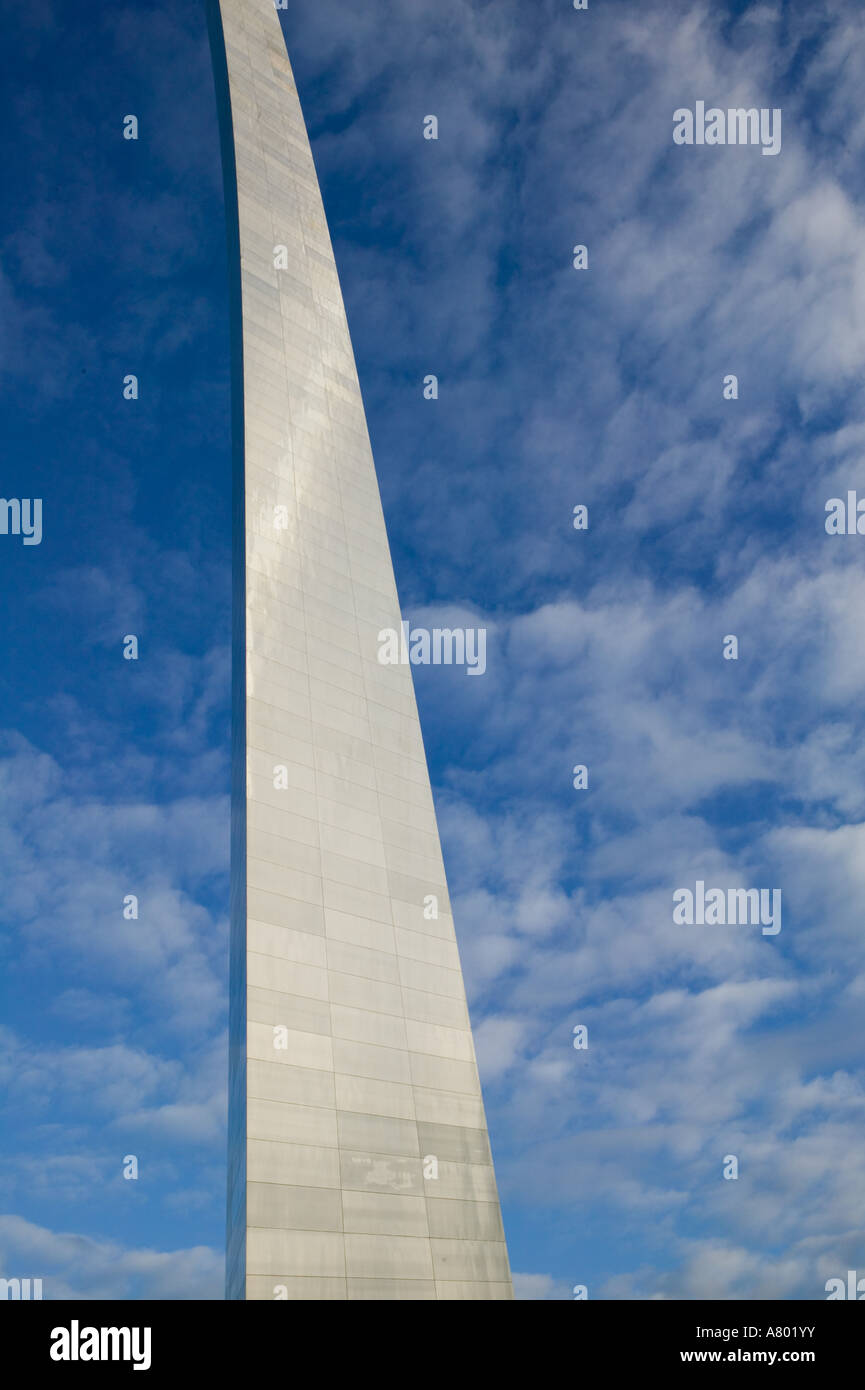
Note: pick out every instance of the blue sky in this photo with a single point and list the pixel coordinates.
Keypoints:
(557, 387)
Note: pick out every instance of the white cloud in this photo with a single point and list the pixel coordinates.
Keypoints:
(80, 1267)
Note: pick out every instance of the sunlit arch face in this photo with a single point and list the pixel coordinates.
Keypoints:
(359, 1163)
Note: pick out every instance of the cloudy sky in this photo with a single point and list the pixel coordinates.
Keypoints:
(558, 387)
